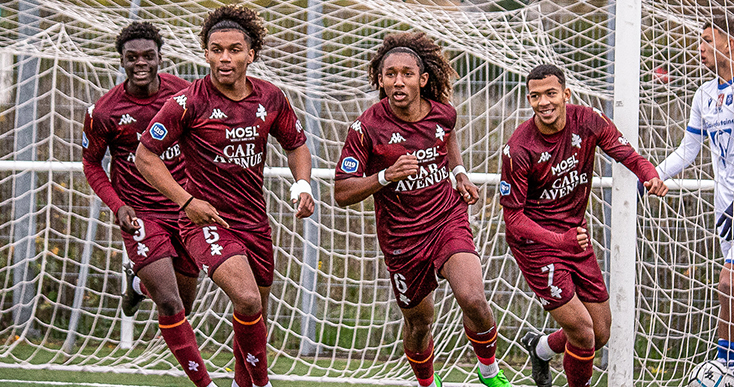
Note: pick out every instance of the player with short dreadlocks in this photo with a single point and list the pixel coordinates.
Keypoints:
(401, 150)
(148, 220)
(223, 122)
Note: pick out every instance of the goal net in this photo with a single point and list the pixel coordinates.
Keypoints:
(332, 315)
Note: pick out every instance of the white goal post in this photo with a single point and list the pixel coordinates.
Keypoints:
(332, 314)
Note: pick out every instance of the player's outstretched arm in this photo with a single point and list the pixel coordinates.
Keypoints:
(299, 162)
(355, 189)
(656, 186)
(154, 170)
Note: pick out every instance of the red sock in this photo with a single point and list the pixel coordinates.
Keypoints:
(241, 376)
(578, 364)
(557, 341)
(485, 344)
(422, 364)
(179, 336)
(251, 337)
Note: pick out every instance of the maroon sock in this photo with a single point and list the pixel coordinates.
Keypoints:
(241, 376)
(557, 341)
(485, 344)
(251, 337)
(578, 364)
(422, 364)
(180, 338)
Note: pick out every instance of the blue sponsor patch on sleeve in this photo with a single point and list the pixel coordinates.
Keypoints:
(505, 188)
(350, 164)
(158, 131)
(85, 140)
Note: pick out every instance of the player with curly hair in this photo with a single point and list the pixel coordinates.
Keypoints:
(401, 151)
(223, 122)
(148, 220)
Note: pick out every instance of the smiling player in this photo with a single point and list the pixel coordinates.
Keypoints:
(547, 168)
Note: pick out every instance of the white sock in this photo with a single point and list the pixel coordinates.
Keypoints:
(212, 385)
(136, 285)
(267, 385)
(543, 350)
(234, 384)
(489, 370)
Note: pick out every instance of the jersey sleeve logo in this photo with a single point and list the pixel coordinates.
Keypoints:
(506, 150)
(90, 110)
(85, 140)
(622, 140)
(181, 100)
(357, 126)
(350, 164)
(158, 131)
(505, 188)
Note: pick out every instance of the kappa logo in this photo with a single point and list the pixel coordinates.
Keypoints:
(396, 138)
(126, 119)
(299, 127)
(90, 110)
(158, 131)
(440, 133)
(545, 156)
(622, 140)
(505, 188)
(85, 140)
(217, 115)
(506, 150)
(357, 126)
(181, 100)
(261, 113)
(350, 164)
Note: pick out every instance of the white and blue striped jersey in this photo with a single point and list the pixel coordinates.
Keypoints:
(712, 116)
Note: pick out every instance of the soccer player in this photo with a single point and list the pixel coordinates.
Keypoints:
(148, 219)
(712, 116)
(547, 168)
(401, 151)
(222, 123)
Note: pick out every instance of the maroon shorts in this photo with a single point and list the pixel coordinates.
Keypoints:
(555, 280)
(158, 238)
(212, 245)
(413, 276)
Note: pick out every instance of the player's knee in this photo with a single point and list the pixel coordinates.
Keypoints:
(581, 334)
(476, 308)
(601, 339)
(247, 303)
(169, 305)
(418, 326)
(725, 282)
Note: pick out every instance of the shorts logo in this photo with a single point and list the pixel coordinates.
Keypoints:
(158, 131)
(350, 165)
(505, 188)
(85, 140)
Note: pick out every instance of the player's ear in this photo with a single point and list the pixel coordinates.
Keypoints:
(250, 56)
(379, 80)
(206, 55)
(424, 79)
(567, 94)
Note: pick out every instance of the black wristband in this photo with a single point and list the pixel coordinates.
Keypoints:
(187, 203)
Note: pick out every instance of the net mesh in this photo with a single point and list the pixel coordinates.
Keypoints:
(332, 314)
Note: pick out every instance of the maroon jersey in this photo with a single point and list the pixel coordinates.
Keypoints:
(408, 210)
(116, 122)
(548, 177)
(225, 144)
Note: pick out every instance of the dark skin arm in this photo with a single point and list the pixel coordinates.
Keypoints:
(299, 162)
(127, 219)
(154, 170)
(355, 189)
(466, 188)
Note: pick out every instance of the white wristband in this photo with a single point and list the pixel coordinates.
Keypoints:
(458, 169)
(300, 187)
(381, 178)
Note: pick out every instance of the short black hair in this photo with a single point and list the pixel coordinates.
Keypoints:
(546, 70)
(138, 30)
(722, 23)
(240, 18)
